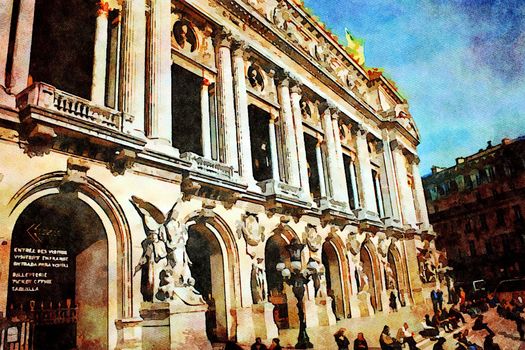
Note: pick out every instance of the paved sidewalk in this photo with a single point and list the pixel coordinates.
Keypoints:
(322, 337)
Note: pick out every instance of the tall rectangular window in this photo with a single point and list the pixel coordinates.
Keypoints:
(500, 217)
(186, 110)
(349, 168)
(483, 222)
(260, 143)
(310, 144)
(517, 212)
(472, 247)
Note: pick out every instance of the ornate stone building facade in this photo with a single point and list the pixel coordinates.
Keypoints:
(477, 208)
(158, 156)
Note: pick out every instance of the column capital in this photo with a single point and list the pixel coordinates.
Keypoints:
(359, 130)
(296, 88)
(239, 47)
(334, 111)
(396, 145)
(282, 77)
(413, 158)
(223, 38)
(103, 8)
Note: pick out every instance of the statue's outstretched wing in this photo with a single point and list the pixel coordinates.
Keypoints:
(152, 217)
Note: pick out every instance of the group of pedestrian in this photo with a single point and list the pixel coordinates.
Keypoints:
(343, 343)
(511, 310)
(437, 299)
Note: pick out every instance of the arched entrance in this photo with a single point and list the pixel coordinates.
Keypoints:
(208, 270)
(333, 275)
(275, 252)
(369, 276)
(59, 273)
(397, 274)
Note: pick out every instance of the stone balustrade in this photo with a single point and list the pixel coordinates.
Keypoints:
(48, 97)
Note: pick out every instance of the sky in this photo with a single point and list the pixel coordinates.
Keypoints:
(459, 63)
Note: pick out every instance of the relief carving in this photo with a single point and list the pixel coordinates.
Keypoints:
(252, 231)
(312, 238)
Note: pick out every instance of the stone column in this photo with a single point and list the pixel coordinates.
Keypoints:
(205, 119)
(98, 84)
(353, 180)
(340, 178)
(392, 206)
(241, 107)
(22, 48)
(415, 286)
(421, 204)
(331, 156)
(133, 65)
(299, 136)
(320, 168)
(5, 26)
(289, 133)
(159, 63)
(405, 192)
(273, 149)
(364, 172)
(225, 101)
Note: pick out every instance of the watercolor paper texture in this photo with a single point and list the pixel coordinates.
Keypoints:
(194, 174)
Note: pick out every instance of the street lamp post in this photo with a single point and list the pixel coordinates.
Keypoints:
(297, 278)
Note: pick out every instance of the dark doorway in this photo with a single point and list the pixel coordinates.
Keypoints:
(333, 278)
(58, 273)
(260, 143)
(274, 253)
(186, 110)
(62, 48)
(207, 268)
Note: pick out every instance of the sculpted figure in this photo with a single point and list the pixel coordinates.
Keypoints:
(164, 248)
(363, 278)
(258, 282)
(280, 15)
(312, 238)
(252, 231)
(390, 279)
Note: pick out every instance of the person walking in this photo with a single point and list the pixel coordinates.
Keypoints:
(439, 295)
(434, 299)
(393, 301)
(360, 342)
(341, 340)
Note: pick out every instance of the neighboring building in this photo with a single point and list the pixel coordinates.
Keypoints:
(478, 207)
(133, 142)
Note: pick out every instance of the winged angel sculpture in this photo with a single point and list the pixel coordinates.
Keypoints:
(164, 250)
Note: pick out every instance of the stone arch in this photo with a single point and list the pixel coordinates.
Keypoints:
(371, 268)
(211, 244)
(275, 252)
(334, 254)
(96, 197)
(400, 274)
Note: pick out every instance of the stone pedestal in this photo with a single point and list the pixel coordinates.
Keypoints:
(293, 313)
(312, 313)
(129, 334)
(263, 322)
(385, 301)
(245, 325)
(365, 306)
(174, 325)
(355, 311)
(326, 314)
